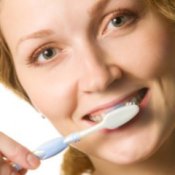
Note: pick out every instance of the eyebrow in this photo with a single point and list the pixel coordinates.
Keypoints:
(35, 35)
(43, 33)
(98, 6)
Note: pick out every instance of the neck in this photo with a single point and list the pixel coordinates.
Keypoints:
(162, 163)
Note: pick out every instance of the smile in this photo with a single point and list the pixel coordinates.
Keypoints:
(136, 98)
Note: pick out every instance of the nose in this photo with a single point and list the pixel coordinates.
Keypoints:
(98, 73)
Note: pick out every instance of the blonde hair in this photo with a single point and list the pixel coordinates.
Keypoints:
(75, 162)
(8, 75)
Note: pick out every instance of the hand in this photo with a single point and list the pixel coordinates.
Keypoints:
(10, 152)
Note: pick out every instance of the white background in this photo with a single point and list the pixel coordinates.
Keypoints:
(21, 122)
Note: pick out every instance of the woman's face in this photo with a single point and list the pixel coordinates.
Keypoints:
(78, 59)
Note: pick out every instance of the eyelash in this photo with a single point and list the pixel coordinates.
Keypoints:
(32, 59)
(130, 15)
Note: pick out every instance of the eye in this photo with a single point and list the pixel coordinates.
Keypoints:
(43, 55)
(46, 54)
(118, 20)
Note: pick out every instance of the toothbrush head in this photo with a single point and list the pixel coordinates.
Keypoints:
(119, 116)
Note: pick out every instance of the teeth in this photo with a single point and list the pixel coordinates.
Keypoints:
(130, 103)
(135, 100)
(97, 118)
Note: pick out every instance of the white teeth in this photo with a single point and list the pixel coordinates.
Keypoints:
(130, 103)
(135, 100)
(97, 118)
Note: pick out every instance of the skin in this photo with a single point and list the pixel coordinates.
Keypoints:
(11, 151)
(96, 63)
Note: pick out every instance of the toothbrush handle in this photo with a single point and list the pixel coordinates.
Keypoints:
(90, 130)
(47, 150)
(51, 148)
(55, 146)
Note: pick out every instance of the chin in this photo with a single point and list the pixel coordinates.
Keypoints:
(126, 158)
(129, 153)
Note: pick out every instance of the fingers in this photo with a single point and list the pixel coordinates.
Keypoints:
(6, 168)
(14, 152)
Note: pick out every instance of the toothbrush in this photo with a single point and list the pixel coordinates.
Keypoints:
(113, 119)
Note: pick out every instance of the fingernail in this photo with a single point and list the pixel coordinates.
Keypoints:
(32, 160)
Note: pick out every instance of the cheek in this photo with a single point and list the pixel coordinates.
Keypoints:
(57, 103)
(152, 60)
(55, 97)
(52, 95)
(147, 53)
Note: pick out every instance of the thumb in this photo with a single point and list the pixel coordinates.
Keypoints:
(17, 153)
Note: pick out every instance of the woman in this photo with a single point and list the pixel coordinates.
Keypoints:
(74, 60)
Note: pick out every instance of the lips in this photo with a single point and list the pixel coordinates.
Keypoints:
(97, 115)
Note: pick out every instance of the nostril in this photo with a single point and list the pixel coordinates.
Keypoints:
(100, 78)
(116, 72)
(98, 84)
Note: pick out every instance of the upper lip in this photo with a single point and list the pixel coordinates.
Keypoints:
(112, 103)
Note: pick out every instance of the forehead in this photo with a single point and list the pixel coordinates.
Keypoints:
(22, 11)
(33, 7)
(43, 4)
